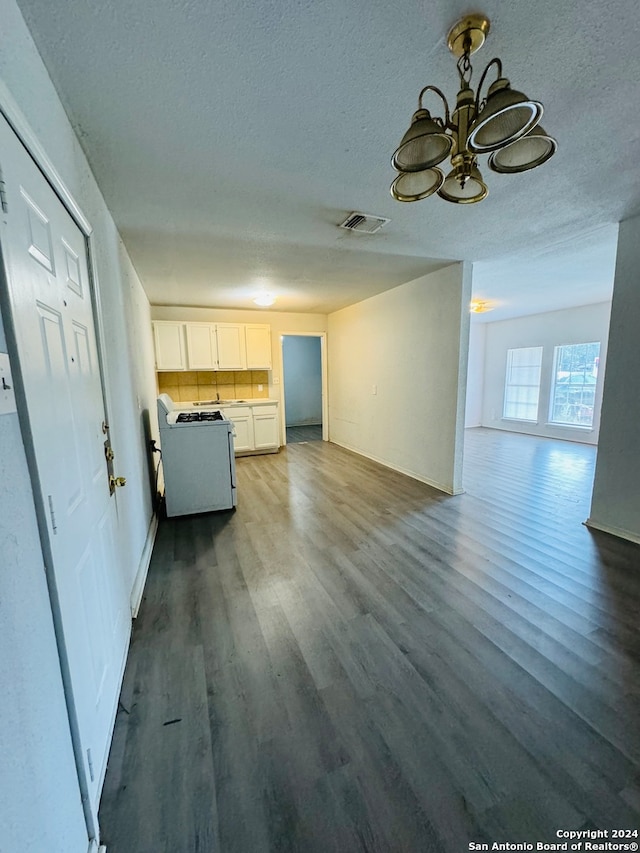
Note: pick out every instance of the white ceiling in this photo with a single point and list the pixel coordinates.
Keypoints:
(561, 275)
(230, 138)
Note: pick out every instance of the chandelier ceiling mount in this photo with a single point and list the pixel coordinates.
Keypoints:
(505, 125)
(468, 34)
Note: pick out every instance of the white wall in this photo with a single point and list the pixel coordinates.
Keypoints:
(38, 791)
(475, 374)
(302, 379)
(571, 326)
(615, 504)
(131, 364)
(397, 375)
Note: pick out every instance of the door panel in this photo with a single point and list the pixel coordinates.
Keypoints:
(91, 450)
(87, 587)
(39, 233)
(52, 361)
(52, 314)
(74, 277)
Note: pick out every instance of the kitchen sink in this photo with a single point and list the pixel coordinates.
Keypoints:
(217, 402)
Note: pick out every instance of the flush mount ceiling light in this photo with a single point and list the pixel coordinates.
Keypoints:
(264, 300)
(480, 306)
(504, 125)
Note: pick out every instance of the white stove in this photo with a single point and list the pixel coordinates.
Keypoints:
(197, 458)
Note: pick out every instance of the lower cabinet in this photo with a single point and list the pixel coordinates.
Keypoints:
(255, 428)
(242, 421)
(265, 427)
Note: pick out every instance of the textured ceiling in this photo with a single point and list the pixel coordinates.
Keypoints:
(230, 138)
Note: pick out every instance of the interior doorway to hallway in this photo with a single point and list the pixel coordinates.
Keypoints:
(303, 374)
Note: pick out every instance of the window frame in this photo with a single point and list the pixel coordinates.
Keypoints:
(554, 381)
(507, 385)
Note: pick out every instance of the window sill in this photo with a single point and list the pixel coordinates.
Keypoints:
(520, 421)
(569, 426)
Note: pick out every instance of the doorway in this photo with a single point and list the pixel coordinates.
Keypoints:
(541, 373)
(303, 372)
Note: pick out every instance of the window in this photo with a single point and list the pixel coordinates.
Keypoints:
(522, 383)
(574, 384)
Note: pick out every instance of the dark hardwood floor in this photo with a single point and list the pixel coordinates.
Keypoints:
(352, 661)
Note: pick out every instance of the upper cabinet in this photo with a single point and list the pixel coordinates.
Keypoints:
(231, 346)
(212, 346)
(170, 349)
(202, 347)
(258, 346)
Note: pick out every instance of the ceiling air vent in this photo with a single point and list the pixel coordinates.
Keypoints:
(363, 223)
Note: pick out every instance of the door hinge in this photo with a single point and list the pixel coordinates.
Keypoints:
(3, 194)
(53, 515)
(90, 763)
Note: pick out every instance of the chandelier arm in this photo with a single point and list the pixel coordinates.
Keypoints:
(444, 100)
(494, 61)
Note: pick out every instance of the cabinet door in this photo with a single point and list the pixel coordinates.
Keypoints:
(242, 428)
(169, 342)
(265, 427)
(202, 351)
(231, 346)
(258, 346)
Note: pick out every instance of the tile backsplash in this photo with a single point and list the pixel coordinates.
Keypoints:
(188, 386)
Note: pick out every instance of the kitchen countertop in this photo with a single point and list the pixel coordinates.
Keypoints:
(229, 404)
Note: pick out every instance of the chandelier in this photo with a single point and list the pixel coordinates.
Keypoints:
(505, 125)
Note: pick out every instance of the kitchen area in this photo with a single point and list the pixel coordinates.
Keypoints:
(214, 403)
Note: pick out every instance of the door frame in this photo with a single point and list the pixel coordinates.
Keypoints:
(325, 386)
(18, 123)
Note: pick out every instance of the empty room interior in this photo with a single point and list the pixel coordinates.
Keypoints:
(319, 470)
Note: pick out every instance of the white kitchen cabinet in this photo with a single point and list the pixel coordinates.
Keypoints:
(212, 346)
(265, 427)
(202, 347)
(255, 427)
(231, 346)
(242, 420)
(168, 337)
(258, 339)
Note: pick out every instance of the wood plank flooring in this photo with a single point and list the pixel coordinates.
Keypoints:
(307, 432)
(352, 661)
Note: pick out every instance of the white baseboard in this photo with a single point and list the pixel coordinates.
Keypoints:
(439, 486)
(614, 531)
(143, 567)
